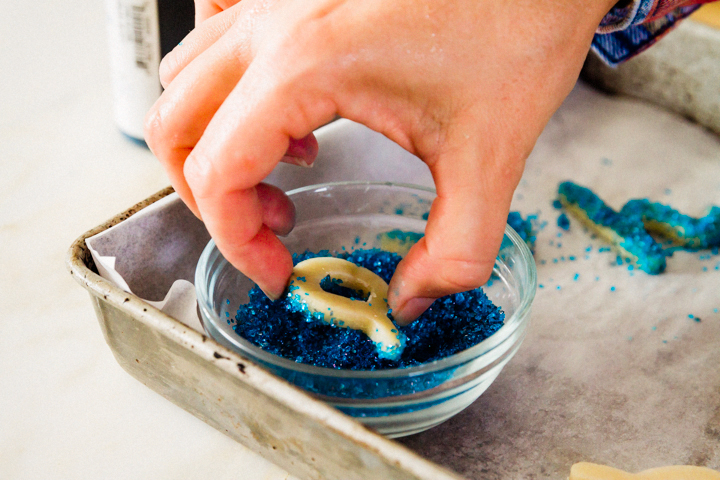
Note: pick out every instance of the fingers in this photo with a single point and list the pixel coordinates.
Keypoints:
(246, 138)
(193, 94)
(235, 221)
(178, 119)
(464, 229)
(302, 152)
(278, 211)
(242, 18)
(194, 44)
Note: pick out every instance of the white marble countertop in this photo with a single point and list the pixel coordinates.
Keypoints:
(67, 409)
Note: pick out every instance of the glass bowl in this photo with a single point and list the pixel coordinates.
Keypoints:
(395, 402)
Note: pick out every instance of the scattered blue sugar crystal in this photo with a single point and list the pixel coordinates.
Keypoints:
(688, 232)
(451, 324)
(625, 232)
(525, 227)
(563, 222)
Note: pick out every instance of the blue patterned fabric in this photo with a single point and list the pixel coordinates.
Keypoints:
(627, 31)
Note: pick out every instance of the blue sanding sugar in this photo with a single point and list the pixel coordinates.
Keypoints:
(563, 222)
(525, 227)
(451, 324)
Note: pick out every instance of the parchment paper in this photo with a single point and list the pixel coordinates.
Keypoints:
(613, 370)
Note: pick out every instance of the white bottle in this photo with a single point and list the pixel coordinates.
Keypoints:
(140, 32)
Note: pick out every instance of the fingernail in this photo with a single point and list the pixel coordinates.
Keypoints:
(273, 293)
(412, 309)
(273, 296)
(297, 161)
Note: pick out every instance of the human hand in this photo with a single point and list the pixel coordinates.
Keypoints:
(466, 85)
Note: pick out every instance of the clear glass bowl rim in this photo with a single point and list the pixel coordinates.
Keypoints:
(253, 352)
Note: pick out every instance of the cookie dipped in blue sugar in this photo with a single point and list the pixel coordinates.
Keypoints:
(285, 327)
(625, 232)
(686, 231)
(369, 315)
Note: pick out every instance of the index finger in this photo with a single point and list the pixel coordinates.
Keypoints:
(246, 138)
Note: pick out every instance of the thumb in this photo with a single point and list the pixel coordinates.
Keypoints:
(464, 230)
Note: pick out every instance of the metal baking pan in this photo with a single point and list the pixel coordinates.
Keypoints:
(231, 393)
